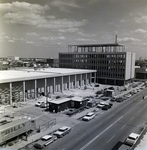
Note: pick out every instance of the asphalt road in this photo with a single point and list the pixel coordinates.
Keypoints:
(106, 129)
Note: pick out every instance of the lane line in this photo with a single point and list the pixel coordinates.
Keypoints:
(123, 126)
(100, 134)
(98, 125)
(132, 117)
(80, 137)
(139, 111)
(111, 138)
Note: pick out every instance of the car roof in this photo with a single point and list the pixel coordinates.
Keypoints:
(90, 113)
(64, 128)
(134, 135)
(46, 137)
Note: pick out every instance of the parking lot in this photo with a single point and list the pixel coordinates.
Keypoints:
(47, 121)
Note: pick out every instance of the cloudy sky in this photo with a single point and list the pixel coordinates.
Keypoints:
(42, 28)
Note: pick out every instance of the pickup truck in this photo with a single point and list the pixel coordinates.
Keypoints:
(62, 131)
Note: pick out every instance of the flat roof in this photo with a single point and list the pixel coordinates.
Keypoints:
(60, 101)
(97, 45)
(77, 99)
(31, 74)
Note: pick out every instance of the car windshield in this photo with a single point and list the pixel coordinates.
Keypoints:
(132, 138)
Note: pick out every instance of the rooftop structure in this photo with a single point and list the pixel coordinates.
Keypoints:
(114, 65)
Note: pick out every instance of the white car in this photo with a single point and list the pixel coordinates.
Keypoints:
(89, 116)
(39, 103)
(132, 139)
(62, 131)
(128, 96)
(44, 141)
(100, 106)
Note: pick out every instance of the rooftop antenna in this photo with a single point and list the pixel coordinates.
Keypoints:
(115, 39)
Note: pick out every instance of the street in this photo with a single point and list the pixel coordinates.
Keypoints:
(105, 130)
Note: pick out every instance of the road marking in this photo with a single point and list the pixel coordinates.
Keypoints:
(100, 134)
(132, 117)
(80, 137)
(139, 111)
(111, 138)
(110, 116)
(123, 127)
(98, 125)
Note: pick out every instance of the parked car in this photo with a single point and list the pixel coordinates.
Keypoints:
(39, 103)
(129, 95)
(113, 99)
(44, 105)
(62, 131)
(119, 99)
(89, 116)
(106, 107)
(132, 139)
(44, 141)
(100, 106)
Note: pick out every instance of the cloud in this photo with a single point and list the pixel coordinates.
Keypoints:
(30, 42)
(65, 5)
(12, 41)
(128, 40)
(52, 38)
(69, 30)
(32, 34)
(23, 13)
(84, 40)
(140, 31)
(141, 19)
(62, 23)
(88, 35)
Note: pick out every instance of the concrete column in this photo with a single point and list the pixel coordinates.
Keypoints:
(90, 79)
(75, 80)
(24, 89)
(35, 90)
(54, 86)
(45, 87)
(94, 77)
(86, 79)
(69, 82)
(81, 80)
(10, 93)
(61, 84)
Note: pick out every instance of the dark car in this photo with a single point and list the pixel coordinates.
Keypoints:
(119, 100)
(106, 106)
(113, 99)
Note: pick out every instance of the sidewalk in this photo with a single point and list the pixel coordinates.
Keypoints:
(20, 144)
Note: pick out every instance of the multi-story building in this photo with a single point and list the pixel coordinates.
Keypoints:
(114, 65)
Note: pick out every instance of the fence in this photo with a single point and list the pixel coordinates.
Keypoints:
(46, 125)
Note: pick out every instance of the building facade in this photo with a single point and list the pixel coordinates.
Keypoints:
(114, 65)
(20, 85)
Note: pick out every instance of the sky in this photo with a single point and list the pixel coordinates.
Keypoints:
(43, 28)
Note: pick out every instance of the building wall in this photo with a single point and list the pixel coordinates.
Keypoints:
(31, 89)
(110, 66)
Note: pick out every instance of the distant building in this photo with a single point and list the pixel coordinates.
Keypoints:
(140, 73)
(114, 65)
